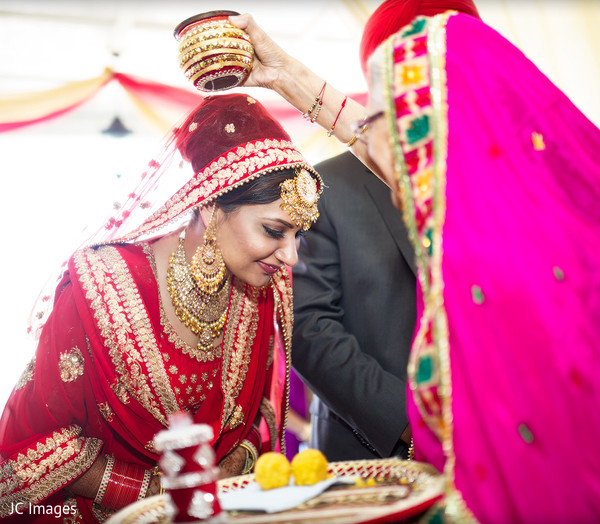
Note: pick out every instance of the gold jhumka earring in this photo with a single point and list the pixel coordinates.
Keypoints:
(208, 267)
(200, 290)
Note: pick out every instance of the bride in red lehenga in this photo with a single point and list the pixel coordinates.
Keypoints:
(173, 305)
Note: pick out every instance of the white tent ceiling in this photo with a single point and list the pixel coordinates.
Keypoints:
(46, 44)
(49, 43)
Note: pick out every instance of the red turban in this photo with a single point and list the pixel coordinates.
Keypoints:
(392, 15)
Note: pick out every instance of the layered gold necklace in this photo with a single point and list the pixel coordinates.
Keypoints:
(204, 313)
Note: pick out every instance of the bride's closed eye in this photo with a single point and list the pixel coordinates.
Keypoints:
(273, 233)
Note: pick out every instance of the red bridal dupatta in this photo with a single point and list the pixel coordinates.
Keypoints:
(110, 381)
(109, 368)
(499, 177)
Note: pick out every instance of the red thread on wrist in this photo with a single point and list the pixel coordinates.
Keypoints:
(330, 132)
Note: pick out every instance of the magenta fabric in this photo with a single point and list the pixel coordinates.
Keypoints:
(392, 15)
(298, 399)
(522, 225)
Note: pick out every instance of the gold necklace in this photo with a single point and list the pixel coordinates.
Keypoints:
(204, 313)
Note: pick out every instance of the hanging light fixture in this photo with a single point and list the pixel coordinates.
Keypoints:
(116, 128)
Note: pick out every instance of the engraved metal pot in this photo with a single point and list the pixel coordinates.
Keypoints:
(214, 54)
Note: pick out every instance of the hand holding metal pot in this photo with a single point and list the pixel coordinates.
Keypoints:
(214, 54)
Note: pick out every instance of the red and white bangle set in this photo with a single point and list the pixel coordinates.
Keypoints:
(122, 484)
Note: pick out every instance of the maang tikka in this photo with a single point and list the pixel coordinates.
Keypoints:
(207, 266)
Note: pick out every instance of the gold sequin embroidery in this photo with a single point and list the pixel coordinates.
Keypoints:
(537, 140)
(236, 418)
(70, 365)
(126, 329)
(27, 374)
(45, 467)
(238, 344)
(106, 411)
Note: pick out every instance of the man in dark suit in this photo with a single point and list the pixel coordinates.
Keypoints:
(355, 311)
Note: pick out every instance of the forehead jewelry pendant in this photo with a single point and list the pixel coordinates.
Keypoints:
(300, 195)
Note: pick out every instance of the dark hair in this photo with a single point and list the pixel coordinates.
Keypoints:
(261, 190)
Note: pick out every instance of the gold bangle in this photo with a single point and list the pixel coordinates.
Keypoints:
(411, 450)
(157, 473)
(352, 141)
(251, 456)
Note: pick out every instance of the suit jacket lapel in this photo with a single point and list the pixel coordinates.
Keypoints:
(392, 218)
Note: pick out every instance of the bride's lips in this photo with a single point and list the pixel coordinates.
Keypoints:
(268, 268)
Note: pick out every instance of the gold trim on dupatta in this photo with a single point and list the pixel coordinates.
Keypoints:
(44, 467)
(125, 327)
(27, 375)
(238, 340)
(284, 300)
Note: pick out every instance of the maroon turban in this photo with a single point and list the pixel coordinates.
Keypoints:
(392, 15)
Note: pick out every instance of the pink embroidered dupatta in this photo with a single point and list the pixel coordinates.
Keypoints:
(499, 176)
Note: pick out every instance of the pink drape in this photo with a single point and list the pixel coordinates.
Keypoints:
(521, 288)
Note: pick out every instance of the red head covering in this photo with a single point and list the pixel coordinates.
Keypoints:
(392, 15)
(222, 123)
(227, 140)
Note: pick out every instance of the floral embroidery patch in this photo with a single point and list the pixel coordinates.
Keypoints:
(70, 365)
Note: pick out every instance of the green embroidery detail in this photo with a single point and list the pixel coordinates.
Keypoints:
(435, 515)
(477, 295)
(418, 129)
(416, 27)
(424, 369)
(558, 273)
(526, 433)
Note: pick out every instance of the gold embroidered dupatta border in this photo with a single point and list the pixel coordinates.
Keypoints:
(284, 300)
(124, 325)
(430, 262)
(240, 332)
(44, 467)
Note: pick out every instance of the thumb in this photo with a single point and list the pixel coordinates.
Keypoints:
(247, 23)
(242, 21)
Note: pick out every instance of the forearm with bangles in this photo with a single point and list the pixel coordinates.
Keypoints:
(115, 484)
(300, 86)
(253, 446)
(296, 83)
